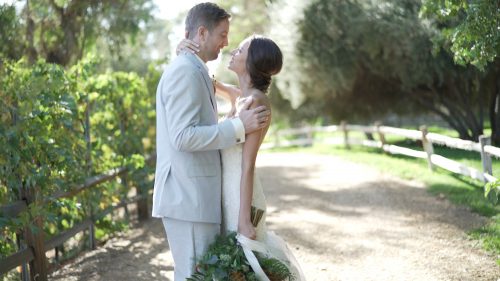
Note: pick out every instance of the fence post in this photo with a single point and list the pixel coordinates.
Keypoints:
(24, 265)
(35, 238)
(310, 135)
(343, 127)
(276, 138)
(142, 203)
(88, 156)
(92, 244)
(381, 135)
(124, 181)
(427, 146)
(485, 157)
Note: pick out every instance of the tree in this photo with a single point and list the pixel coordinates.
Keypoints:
(152, 45)
(284, 15)
(9, 32)
(471, 29)
(378, 51)
(60, 31)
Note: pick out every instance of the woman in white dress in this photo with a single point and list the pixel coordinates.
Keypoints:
(255, 60)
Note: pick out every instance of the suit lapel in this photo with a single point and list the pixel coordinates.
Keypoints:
(208, 82)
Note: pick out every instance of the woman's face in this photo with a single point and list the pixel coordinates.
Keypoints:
(239, 58)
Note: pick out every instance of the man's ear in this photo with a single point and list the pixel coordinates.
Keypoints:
(202, 33)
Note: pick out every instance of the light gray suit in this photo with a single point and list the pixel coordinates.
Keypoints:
(188, 168)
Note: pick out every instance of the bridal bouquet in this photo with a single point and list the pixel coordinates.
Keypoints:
(226, 261)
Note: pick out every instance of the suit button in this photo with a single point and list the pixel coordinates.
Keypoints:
(238, 140)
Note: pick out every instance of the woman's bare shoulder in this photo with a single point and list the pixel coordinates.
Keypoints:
(259, 98)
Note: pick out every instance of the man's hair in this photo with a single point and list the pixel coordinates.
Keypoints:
(207, 14)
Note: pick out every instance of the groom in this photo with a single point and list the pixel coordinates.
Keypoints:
(187, 191)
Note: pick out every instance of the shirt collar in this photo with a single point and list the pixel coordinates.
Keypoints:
(202, 62)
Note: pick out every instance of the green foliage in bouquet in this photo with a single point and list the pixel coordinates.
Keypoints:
(223, 257)
(274, 268)
(226, 261)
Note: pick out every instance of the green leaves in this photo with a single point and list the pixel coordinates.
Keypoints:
(222, 257)
(361, 57)
(119, 119)
(11, 45)
(492, 191)
(42, 138)
(471, 28)
(62, 31)
(44, 148)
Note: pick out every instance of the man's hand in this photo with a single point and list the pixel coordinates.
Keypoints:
(254, 119)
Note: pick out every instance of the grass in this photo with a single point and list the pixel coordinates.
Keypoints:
(458, 189)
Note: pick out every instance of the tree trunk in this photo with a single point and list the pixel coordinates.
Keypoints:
(495, 114)
(68, 48)
(35, 236)
(30, 30)
(454, 124)
(490, 90)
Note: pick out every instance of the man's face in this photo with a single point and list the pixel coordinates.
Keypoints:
(216, 40)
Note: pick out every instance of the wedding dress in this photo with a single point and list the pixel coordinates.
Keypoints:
(267, 242)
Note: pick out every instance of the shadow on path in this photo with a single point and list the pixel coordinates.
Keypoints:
(139, 254)
(342, 220)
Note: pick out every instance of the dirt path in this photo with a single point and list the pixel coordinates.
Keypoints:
(344, 221)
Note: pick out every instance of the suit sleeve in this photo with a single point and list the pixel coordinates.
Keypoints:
(239, 129)
(182, 93)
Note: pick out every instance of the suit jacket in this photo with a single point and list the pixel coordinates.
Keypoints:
(188, 138)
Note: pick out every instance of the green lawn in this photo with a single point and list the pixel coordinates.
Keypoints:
(458, 189)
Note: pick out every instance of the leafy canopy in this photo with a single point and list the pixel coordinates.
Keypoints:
(471, 28)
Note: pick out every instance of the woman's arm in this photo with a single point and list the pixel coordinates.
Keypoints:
(227, 91)
(250, 149)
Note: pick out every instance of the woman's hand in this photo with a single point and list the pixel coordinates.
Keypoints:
(187, 45)
(247, 229)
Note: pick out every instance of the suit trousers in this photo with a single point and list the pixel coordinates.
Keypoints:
(188, 241)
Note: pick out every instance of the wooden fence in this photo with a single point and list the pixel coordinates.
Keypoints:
(36, 245)
(305, 136)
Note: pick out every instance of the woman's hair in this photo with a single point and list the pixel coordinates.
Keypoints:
(263, 61)
(206, 14)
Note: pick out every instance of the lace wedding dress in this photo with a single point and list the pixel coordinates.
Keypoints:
(267, 242)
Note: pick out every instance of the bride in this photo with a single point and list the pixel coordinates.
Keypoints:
(243, 202)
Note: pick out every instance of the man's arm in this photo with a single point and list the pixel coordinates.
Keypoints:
(182, 95)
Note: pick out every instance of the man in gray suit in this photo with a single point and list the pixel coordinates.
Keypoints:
(187, 191)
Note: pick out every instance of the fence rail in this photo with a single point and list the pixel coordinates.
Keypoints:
(305, 136)
(34, 253)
